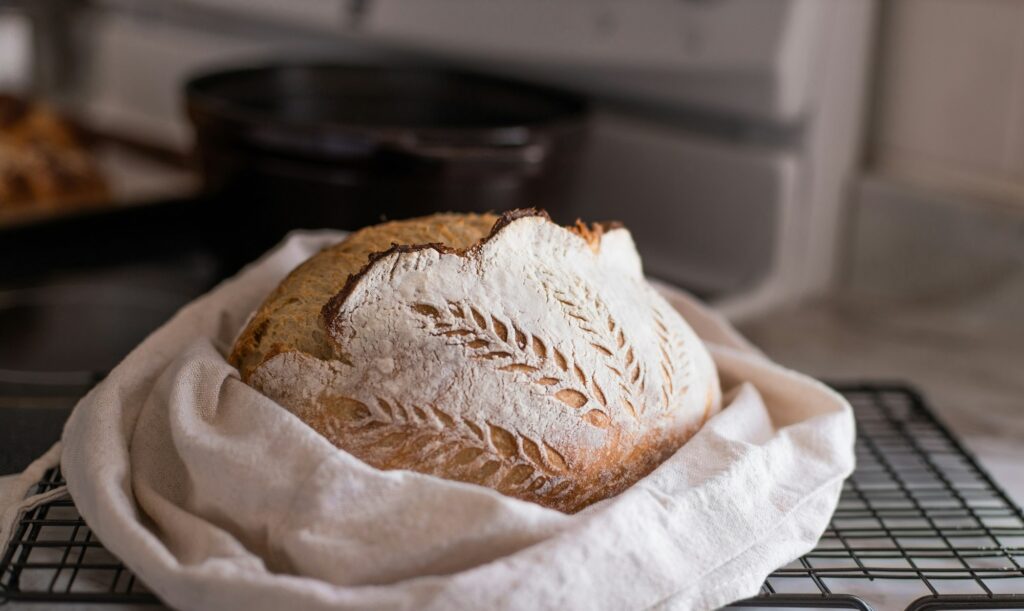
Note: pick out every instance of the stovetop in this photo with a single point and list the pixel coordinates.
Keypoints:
(77, 295)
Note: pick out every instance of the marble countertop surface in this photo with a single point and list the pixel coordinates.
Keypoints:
(964, 352)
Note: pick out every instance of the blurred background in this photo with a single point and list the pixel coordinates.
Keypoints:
(842, 178)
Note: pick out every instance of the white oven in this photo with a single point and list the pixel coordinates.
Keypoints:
(725, 136)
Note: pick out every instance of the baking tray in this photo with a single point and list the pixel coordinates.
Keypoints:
(920, 525)
(137, 174)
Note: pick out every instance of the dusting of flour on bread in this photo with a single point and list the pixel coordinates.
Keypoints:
(537, 362)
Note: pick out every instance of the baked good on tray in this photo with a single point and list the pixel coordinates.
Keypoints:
(508, 351)
(42, 160)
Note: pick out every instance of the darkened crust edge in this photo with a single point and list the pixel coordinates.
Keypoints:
(334, 304)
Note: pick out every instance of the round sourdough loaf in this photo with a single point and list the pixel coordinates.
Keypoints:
(505, 351)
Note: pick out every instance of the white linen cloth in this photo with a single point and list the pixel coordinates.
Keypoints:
(219, 498)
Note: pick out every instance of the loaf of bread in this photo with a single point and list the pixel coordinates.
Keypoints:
(42, 161)
(508, 352)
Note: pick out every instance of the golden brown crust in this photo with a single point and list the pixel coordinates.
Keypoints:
(335, 302)
(289, 318)
(294, 352)
(537, 472)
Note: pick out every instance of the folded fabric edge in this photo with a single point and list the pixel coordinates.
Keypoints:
(740, 349)
(18, 503)
(719, 596)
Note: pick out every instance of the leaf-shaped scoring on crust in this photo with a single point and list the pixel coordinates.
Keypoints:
(676, 365)
(489, 338)
(534, 352)
(479, 451)
(607, 338)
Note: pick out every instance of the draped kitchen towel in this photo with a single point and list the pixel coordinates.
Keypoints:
(219, 498)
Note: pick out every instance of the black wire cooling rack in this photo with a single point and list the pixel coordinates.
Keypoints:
(919, 525)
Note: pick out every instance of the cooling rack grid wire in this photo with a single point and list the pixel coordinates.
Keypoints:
(54, 557)
(919, 520)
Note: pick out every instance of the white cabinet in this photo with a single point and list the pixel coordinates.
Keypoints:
(705, 214)
(753, 57)
(951, 97)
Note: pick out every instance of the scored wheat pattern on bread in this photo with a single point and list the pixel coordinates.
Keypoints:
(512, 350)
(537, 362)
(675, 358)
(606, 336)
(479, 452)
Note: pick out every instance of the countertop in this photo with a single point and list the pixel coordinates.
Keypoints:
(963, 351)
